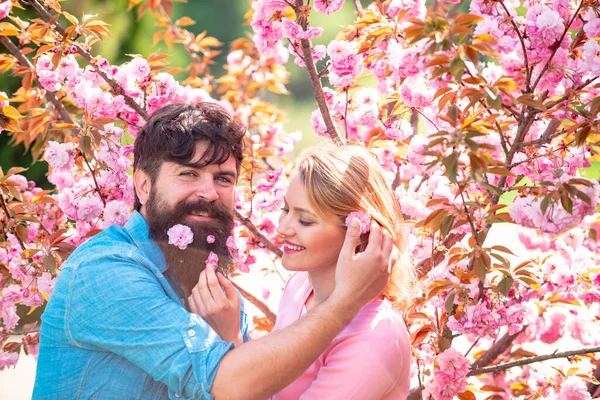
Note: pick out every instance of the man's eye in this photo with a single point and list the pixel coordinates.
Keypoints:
(224, 179)
(188, 173)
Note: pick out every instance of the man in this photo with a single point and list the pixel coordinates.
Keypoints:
(116, 326)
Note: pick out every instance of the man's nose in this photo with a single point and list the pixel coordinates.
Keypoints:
(206, 189)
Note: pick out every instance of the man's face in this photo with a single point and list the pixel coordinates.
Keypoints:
(201, 197)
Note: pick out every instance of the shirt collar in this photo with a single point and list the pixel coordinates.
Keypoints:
(137, 228)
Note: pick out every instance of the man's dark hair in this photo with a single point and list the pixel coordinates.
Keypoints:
(171, 134)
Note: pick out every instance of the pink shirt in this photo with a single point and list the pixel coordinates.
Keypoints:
(369, 359)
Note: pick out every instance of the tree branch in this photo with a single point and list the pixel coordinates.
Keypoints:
(497, 348)
(518, 32)
(428, 264)
(261, 238)
(114, 86)
(315, 79)
(531, 360)
(24, 61)
(357, 7)
(271, 316)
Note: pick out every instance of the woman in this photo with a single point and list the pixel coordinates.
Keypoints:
(370, 358)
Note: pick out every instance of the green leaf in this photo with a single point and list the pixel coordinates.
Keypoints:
(457, 69)
(451, 164)
(505, 284)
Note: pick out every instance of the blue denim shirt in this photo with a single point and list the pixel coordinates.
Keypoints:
(116, 328)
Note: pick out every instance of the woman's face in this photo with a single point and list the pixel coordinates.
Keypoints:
(310, 241)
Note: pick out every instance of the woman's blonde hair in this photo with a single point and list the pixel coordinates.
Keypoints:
(339, 180)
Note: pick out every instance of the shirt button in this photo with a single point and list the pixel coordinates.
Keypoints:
(191, 333)
(177, 395)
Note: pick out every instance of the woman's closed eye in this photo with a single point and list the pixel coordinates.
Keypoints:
(305, 223)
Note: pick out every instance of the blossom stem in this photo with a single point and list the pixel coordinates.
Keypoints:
(497, 348)
(531, 360)
(266, 242)
(315, 79)
(270, 315)
(7, 218)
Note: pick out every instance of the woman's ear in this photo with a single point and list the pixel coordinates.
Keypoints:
(142, 185)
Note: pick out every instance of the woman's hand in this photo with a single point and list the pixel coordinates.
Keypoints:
(219, 307)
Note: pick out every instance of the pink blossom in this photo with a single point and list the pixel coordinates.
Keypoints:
(8, 359)
(180, 236)
(5, 8)
(556, 329)
(58, 155)
(574, 388)
(212, 261)
(328, 6)
(89, 207)
(116, 212)
(453, 363)
(210, 239)
(345, 63)
(45, 283)
(592, 26)
(318, 124)
(363, 218)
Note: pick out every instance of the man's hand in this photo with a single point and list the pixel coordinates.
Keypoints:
(220, 309)
(360, 278)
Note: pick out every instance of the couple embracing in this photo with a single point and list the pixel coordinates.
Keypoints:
(130, 316)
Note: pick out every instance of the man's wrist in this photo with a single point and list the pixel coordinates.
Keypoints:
(341, 307)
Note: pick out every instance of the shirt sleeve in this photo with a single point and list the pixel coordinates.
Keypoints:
(361, 367)
(118, 305)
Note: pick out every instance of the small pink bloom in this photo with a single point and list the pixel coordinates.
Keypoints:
(363, 217)
(210, 239)
(212, 261)
(328, 6)
(180, 236)
(5, 8)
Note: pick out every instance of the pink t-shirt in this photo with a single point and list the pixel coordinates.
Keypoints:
(369, 359)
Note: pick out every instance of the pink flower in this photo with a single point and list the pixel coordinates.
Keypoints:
(363, 218)
(574, 388)
(328, 6)
(210, 239)
(180, 236)
(58, 155)
(88, 208)
(212, 261)
(116, 212)
(454, 364)
(8, 359)
(5, 8)
(318, 124)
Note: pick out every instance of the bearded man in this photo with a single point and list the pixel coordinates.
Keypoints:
(118, 326)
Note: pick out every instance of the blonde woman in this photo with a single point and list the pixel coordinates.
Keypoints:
(370, 358)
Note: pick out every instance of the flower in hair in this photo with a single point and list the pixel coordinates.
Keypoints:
(210, 239)
(363, 217)
(180, 236)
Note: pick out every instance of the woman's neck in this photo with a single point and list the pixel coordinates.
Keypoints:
(323, 283)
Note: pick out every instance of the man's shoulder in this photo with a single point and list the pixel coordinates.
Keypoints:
(113, 241)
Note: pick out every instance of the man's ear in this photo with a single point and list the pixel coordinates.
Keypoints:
(143, 185)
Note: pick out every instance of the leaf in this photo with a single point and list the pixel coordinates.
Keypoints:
(185, 21)
(49, 264)
(582, 134)
(451, 164)
(85, 143)
(528, 100)
(505, 285)
(468, 19)
(457, 68)
(70, 18)
(420, 334)
(467, 395)
(503, 249)
(11, 112)
(449, 303)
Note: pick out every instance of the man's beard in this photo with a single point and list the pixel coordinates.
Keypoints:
(187, 264)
